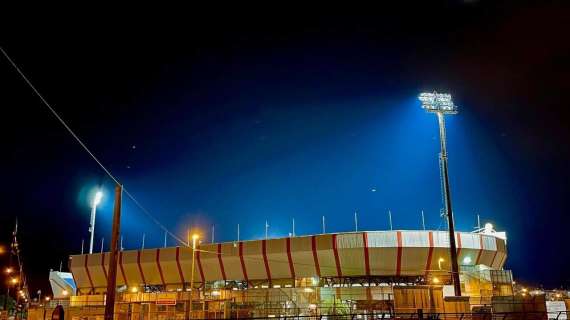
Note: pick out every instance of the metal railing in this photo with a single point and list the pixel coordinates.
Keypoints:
(97, 313)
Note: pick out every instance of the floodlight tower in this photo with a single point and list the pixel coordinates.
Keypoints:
(441, 104)
(96, 201)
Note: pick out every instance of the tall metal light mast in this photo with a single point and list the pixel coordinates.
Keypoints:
(441, 104)
(96, 201)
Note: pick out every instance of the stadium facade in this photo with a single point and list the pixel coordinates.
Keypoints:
(354, 272)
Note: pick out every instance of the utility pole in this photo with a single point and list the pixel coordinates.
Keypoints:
(324, 230)
(194, 238)
(112, 276)
(238, 232)
(423, 221)
(165, 238)
(390, 219)
(213, 233)
(442, 104)
(102, 242)
(82, 246)
(142, 245)
(266, 230)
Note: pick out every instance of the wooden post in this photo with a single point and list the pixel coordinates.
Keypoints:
(112, 277)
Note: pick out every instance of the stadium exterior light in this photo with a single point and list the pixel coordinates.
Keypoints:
(96, 202)
(97, 198)
(441, 104)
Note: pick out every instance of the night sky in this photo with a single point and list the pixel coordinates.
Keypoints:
(240, 117)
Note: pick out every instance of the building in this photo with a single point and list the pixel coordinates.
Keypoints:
(337, 273)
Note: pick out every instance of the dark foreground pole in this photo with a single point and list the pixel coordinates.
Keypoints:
(112, 277)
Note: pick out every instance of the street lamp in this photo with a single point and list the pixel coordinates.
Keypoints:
(96, 201)
(441, 104)
(9, 270)
(195, 238)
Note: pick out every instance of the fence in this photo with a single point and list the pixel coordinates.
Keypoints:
(96, 313)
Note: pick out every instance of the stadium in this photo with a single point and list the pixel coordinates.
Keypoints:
(354, 272)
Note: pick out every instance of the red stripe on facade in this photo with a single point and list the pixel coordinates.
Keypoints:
(290, 258)
(140, 267)
(315, 255)
(265, 261)
(493, 261)
(366, 257)
(179, 267)
(103, 265)
(221, 262)
(430, 253)
(459, 246)
(399, 257)
(495, 255)
(200, 266)
(159, 267)
(122, 269)
(480, 250)
(88, 273)
(336, 257)
(242, 261)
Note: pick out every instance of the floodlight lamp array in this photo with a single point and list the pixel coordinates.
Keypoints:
(437, 102)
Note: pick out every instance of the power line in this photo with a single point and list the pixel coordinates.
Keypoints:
(60, 119)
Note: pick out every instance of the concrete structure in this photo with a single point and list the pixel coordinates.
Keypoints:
(380, 256)
(351, 272)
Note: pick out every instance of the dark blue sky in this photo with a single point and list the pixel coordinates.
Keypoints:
(240, 121)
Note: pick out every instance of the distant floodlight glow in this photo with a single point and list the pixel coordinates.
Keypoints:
(437, 102)
(488, 227)
(97, 198)
(467, 260)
